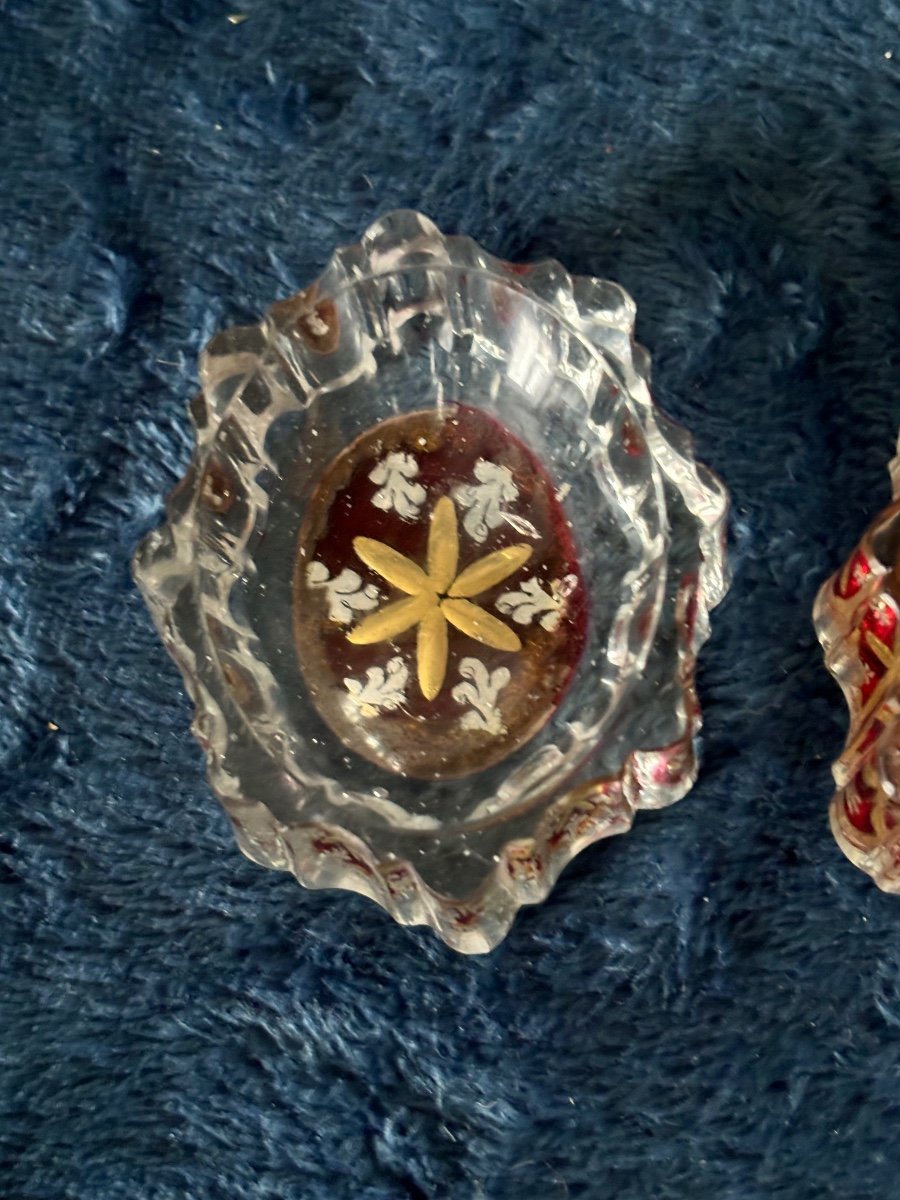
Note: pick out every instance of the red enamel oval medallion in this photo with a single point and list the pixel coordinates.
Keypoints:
(439, 609)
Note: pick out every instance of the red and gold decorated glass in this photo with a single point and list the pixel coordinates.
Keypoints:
(856, 618)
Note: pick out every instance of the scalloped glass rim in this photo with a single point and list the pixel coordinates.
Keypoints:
(309, 822)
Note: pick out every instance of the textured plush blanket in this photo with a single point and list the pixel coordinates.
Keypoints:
(708, 1008)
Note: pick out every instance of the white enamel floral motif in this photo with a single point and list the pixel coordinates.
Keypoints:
(533, 598)
(397, 492)
(384, 688)
(485, 499)
(347, 597)
(480, 691)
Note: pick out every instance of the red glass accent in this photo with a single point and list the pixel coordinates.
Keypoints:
(859, 799)
(427, 737)
(849, 581)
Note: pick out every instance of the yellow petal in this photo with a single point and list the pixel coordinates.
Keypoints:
(479, 624)
(432, 652)
(391, 620)
(489, 570)
(392, 566)
(443, 544)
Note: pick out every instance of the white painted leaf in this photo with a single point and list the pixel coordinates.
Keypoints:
(397, 492)
(485, 499)
(480, 690)
(533, 599)
(384, 688)
(346, 594)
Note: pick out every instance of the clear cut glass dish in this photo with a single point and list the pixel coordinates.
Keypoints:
(436, 579)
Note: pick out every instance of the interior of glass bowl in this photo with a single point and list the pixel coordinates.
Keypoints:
(424, 338)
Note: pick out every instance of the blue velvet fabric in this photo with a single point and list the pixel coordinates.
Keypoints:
(706, 1008)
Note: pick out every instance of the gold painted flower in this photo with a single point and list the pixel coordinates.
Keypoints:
(437, 595)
